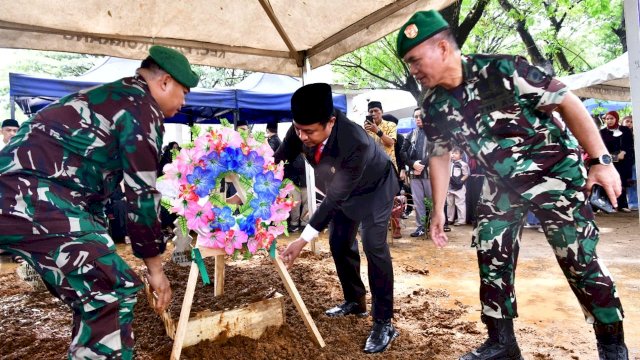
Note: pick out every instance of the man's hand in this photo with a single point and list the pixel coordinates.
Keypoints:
(436, 231)
(291, 253)
(370, 126)
(160, 286)
(418, 167)
(608, 177)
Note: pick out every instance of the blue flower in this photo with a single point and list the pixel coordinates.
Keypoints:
(214, 164)
(232, 159)
(261, 208)
(222, 219)
(248, 224)
(267, 186)
(202, 180)
(253, 165)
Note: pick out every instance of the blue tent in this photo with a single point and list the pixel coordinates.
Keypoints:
(604, 105)
(261, 98)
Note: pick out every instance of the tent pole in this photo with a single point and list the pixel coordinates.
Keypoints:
(632, 21)
(12, 102)
(309, 173)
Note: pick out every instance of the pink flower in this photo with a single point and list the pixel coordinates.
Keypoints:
(286, 190)
(275, 231)
(219, 238)
(209, 240)
(187, 159)
(231, 137)
(280, 209)
(234, 240)
(203, 143)
(265, 151)
(198, 217)
(252, 245)
(179, 206)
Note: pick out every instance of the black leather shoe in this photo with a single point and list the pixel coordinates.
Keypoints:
(348, 308)
(382, 334)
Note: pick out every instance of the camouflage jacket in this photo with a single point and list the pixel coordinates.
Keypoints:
(69, 157)
(502, 115)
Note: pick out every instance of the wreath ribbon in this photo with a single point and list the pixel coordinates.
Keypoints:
(197, 257)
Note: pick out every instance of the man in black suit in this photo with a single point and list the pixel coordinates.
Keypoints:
(360, 182)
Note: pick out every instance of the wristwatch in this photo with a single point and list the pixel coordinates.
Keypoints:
(604, 159)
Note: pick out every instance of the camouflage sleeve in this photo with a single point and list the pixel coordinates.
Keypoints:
(533, 82)
(140, 138)
(439, 145)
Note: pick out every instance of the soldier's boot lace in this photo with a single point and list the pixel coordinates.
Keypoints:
(501, 344)
(610, 339)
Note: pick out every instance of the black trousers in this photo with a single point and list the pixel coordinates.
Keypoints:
(344, 248)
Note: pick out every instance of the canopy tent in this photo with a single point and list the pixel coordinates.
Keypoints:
(609, 81)
(267, 97)
(260, 98)
(603, 106)
(398, 103)
(274, 36)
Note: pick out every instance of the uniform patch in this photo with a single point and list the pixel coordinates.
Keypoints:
(535, 75)
(411, 31)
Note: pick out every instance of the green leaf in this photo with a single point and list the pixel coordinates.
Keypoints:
(217, 200)
(195, 130)
(166, 203)
(225, 123)
(259, 136)
(182, 222)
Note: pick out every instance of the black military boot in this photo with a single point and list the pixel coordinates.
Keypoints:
(501, 344)
(611, 341)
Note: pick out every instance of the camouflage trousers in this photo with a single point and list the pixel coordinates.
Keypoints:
(568, 223)
(99, 288)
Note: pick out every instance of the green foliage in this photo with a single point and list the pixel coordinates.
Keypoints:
(195, 130)
(372, 66)
(166, 203)
(260, 136)
(586, 38)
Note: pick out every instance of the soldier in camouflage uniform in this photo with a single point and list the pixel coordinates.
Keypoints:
(500, 109)
(54, 177)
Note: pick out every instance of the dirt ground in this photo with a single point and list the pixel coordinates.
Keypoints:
(436, 304)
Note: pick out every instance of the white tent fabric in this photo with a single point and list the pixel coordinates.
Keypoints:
(609, 81)
(272, 36)
(398, 103)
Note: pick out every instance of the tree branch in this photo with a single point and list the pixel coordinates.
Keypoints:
(470, 21)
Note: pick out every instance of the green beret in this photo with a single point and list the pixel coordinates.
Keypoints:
(420, 27)
(174, 63)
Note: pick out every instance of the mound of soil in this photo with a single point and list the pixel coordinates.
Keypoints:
(37, 326)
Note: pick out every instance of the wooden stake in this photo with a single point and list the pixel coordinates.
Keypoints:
(184, 312)
(218, 277)
(297, 301)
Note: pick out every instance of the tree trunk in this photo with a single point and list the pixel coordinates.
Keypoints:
(532, 49)
(621, 32)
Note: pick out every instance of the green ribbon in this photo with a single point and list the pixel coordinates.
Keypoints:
(197, 257)
(272, 249)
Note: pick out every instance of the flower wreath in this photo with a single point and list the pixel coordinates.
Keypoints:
(197, 172)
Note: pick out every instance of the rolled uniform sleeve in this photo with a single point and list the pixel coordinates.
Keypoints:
(140, 139)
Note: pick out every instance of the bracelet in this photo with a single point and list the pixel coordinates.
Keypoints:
(380, 133)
